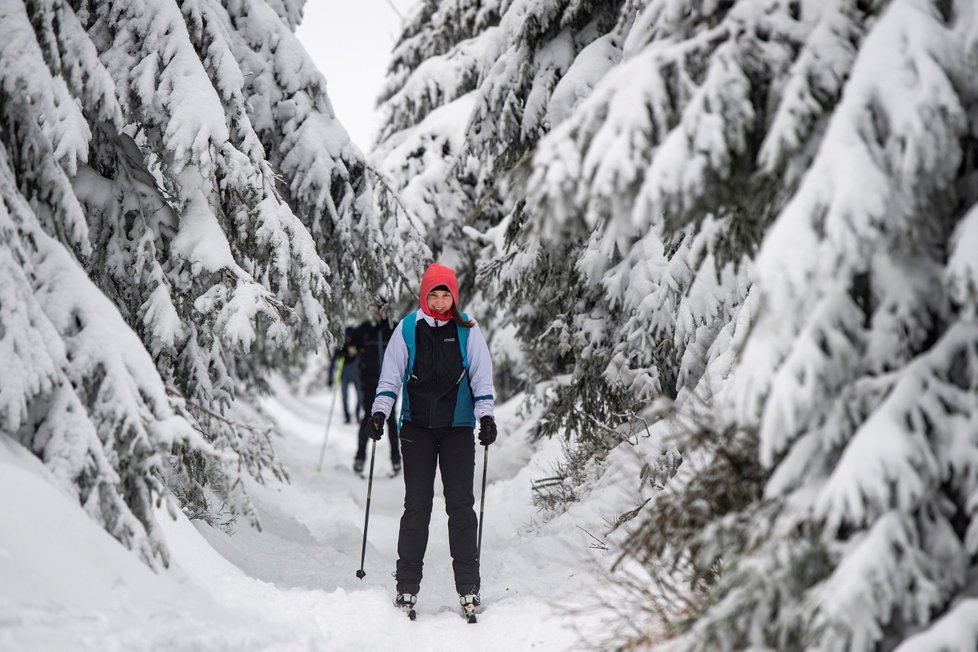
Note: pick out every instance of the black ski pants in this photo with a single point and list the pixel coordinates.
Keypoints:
(368, 391)
(453, 451)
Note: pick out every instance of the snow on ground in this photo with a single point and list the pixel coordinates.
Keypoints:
(66, 585)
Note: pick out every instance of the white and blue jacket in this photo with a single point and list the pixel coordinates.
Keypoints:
(444, 370)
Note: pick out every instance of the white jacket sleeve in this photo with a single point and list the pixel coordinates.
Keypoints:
(480, 373)
(391, 372)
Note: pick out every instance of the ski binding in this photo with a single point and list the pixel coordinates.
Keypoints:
(406, 602)
(469, 603)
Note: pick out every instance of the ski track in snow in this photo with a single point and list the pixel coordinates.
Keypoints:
(293, 586)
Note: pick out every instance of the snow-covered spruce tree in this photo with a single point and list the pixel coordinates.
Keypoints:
(79, 390)
(424, 111)
(862, 372)
(652, 295)
(845, 517)
(659, 166)
(472, 87)
(133, 136)
(437, 59)
(324, 177)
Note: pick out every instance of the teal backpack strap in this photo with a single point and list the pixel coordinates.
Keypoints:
(408, 327)
(463, 343)
(464, 414)
(408, 330)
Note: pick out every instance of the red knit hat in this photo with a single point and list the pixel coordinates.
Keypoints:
(434, 276)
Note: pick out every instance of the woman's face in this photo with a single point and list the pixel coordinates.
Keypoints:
(439, 301)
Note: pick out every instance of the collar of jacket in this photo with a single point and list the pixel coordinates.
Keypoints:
(431, 320)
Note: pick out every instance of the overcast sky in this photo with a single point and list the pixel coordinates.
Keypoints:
(351, 42)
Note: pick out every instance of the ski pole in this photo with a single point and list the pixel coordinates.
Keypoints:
(482, 501)
(366, 515)
(329, 421)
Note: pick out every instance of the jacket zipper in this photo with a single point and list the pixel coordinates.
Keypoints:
(434, 399)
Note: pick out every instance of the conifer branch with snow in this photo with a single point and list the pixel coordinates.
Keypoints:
(182, 207)
(760, 205)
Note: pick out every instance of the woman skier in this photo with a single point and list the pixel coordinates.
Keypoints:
(442, 361)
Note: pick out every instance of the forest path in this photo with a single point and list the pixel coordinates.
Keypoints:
(310, 545)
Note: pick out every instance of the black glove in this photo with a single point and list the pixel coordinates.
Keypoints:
(487, 430)
(376, 430)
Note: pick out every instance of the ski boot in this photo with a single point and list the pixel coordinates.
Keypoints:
(395, 469)
(406, 602)
(469, 602)
(358, 467)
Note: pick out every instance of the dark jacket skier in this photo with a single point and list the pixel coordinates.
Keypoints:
(441, 360)
(371, 338)
(350, 375)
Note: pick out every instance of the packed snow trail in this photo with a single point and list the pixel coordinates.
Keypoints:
(67, 585)
(312, 536)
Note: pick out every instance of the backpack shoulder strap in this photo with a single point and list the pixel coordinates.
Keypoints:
(463, 342)
(408, 327)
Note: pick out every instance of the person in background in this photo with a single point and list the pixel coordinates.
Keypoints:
(349, 376)
(441, 359)
(371, 338)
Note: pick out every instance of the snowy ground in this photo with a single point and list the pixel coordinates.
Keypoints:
(66, 585)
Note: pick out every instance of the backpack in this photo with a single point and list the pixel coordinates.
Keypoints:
(464, 402)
